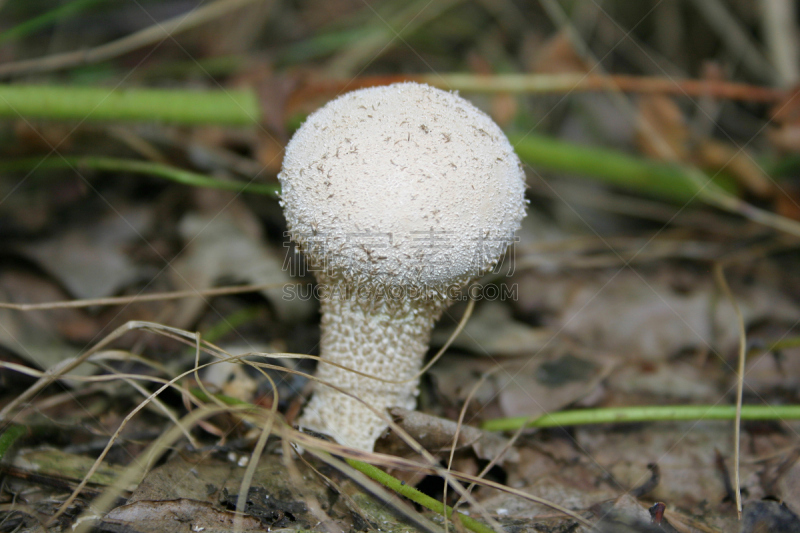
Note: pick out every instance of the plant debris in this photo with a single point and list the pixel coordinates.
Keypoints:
(158, 329)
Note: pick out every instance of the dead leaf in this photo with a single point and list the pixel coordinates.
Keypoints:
(675, 381)
(39, 336)
(92, 261)
(527, 386)
(557, 55)
(211, 482)
(666, 134)
(492, 331)
(169, 516)
(715, 156)
(684, 452)
(50, 462)
(787, 200)
(504, 108)
(785, 137)
(558, 483)
(184, 476)
(229, 244)
(650, 314)
(769, 516)
(627, 515)
(788, 487)
(773, 372)
(436, 435)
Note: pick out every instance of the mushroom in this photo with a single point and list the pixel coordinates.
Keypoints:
(398, 196)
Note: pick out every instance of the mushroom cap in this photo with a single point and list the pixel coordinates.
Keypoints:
(405, 185)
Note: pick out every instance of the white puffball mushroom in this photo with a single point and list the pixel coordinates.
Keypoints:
(399, 196)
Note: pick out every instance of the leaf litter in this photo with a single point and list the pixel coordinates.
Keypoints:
(609, 312)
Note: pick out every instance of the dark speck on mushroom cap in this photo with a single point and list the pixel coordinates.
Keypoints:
(403, 183)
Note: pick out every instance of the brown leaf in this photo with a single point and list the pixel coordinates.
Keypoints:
(557, 55)
(38, 336)
(532, 385)
(93, 261)
(787, 199)
(504, 109)
(643, 314)
(168, 516)
(437, 435)
(769, 516)
(789, 486)
(716, 156)
(493, 331)
(785, 137)
(664, 123)
(229, 244)
(787, 111)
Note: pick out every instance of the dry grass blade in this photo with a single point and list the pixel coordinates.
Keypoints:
(55, 373)
(258, 449)
(567, 83)
(125, 300)
(131, 380)
(135, 471)
(155, 33)
(462, 413)
(59, 373)
(203, 412)
(735, 37)
(719, 275)
(706, 190)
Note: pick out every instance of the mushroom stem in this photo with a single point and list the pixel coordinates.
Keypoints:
(381, 337)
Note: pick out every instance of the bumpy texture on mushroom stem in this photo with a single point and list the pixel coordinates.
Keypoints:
(384, 338)
(397, 195)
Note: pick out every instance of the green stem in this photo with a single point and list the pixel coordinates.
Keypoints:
(138, 167)
(8, 437)
(416, 496)
(381, 477)
(661, 180)
(669, 413)
(234, 107)
(46, 19)
(230, 323)
(198, 393)
(241, 107)
(783, 344)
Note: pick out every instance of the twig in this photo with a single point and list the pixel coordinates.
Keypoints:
(157, 32)
(124, 300)
(564, 83)
(555, 84)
